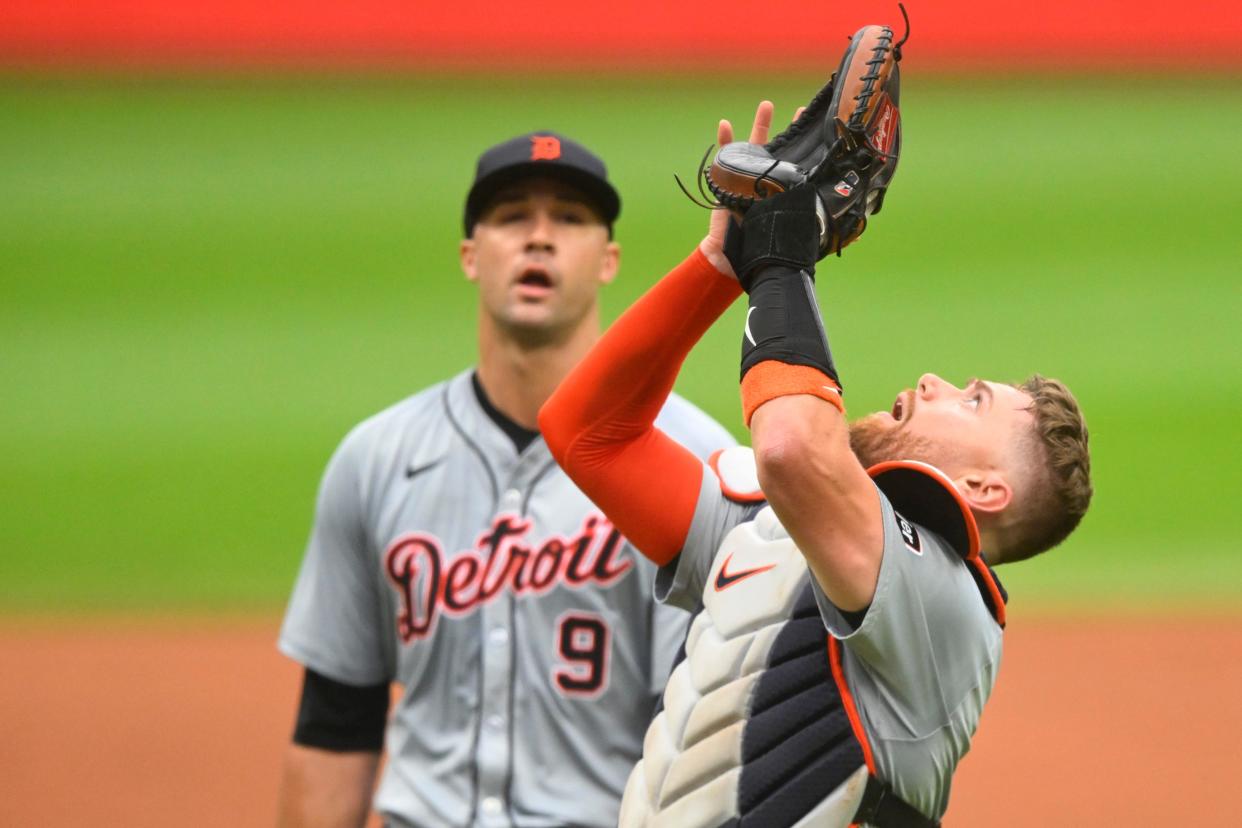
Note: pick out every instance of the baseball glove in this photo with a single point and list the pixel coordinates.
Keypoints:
(846, 143)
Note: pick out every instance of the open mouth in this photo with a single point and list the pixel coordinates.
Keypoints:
(535, 277)
(900, 409)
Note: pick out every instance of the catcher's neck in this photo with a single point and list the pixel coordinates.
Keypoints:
(520, 373)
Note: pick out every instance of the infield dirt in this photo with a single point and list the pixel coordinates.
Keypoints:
(1116, 722)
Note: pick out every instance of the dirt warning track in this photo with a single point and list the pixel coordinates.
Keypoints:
(126, 723)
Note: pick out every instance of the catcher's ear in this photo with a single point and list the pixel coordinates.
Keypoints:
(466, 253)
(985, 491)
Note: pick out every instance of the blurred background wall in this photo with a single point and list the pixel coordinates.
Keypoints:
(643, 33)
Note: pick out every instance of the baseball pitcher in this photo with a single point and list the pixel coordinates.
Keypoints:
(452, 556)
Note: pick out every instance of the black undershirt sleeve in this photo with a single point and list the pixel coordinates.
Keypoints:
(854, 617)
(336, 716)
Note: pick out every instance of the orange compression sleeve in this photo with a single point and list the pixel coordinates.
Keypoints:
(600, 422)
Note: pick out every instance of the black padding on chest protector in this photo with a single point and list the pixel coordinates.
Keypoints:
(928, 501)
(798, 745)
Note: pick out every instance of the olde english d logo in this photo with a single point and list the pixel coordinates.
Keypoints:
(545, 148)
(429, 584)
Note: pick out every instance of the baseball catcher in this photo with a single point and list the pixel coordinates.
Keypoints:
(848, 620)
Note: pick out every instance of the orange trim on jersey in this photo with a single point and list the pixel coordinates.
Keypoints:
(847, 701)
(771, 379)
(755, 496)
(998, 601)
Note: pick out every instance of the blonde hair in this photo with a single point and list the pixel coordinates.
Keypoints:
(1058, 487)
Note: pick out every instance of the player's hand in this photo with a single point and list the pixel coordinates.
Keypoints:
(713, 244)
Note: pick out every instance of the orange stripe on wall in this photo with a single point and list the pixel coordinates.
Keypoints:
(721, 35)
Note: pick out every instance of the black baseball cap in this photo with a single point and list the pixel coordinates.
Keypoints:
(541, 153)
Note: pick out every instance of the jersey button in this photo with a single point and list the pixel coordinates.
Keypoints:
(499, 636)
(491, 806)
(495, 721)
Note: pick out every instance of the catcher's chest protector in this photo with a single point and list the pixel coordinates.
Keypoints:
(755, 729)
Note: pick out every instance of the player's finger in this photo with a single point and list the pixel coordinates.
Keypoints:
(763, 123)
(724, 133)
(798, 114)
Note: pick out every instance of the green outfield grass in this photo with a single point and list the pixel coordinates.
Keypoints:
(205, 283)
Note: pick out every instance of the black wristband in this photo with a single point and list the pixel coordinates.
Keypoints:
(337, 716)
(780, 230)
(783, 322)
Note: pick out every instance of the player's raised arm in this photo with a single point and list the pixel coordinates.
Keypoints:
(807, 194)
(600, 422)
(792, 401)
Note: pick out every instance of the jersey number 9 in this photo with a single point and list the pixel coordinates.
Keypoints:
(583, 643)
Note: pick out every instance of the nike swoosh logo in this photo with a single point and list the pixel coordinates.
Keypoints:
(750, 335)
(413, 471)
(724, 579)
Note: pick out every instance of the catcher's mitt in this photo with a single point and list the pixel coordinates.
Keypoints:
(846, 142)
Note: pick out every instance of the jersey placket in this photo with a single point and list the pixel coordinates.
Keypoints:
(495, 744)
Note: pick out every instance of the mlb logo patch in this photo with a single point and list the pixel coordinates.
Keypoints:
(847, 184)
(909, 535)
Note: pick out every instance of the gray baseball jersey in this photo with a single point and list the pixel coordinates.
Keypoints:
(754, 724)
(520, 623)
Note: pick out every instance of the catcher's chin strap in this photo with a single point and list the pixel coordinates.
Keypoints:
(883, 808)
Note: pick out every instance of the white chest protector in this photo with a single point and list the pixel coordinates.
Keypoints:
(758, 727)
(693, 758)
